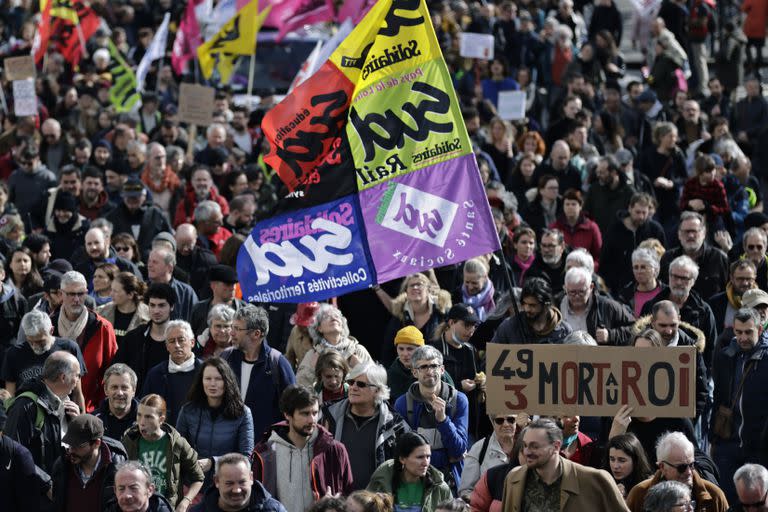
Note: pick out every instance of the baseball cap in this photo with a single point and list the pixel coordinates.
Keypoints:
(133, 187)
(754, 297)
(464, 313)
(83, 429)
(647, 96)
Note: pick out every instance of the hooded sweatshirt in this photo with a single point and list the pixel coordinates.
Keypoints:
(293, 477)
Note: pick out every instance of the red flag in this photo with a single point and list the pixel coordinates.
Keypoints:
(188, 38)
(40, 44)
(65, 34)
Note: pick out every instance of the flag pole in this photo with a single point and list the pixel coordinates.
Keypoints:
(252, 71)
(82, 39)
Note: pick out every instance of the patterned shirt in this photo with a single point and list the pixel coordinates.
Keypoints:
(540, 497)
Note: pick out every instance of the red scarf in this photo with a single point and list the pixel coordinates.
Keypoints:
(169, 182)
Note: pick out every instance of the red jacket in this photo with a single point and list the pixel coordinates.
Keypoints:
(757, 15)
(217, 241)
(713, 195)
(329, 468)
(98, 345)
(584, 234)
(186, 209)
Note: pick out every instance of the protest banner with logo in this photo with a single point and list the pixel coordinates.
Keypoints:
(318, 252)
(591, 381)
(381, 117)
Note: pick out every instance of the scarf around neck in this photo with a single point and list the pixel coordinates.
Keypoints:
(71, 329)
(186, 366)
(483, 302)
(169, 182)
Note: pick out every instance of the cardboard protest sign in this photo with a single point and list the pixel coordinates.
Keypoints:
(476, 46)
(511, 105)
(19, 68)
(196, 104)
(591, 381)
(24, 97)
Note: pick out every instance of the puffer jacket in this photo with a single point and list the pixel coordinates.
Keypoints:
(213, 437)
(436, 490)
(182, 459)
(390, 426)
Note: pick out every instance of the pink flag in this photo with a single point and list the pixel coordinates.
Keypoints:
(289, 15)
(354, 10)
(188, 38)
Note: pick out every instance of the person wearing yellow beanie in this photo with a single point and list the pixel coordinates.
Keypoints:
(399, 374)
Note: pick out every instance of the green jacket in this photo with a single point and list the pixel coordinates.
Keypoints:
(436, 490)
(182, 459)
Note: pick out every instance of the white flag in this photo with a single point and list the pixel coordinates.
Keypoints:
(320, 54)
(155, 51)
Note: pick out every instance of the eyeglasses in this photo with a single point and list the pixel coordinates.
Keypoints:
(429, 367)
(577, 293)
(75, 294)
(681, 468)
(241, 329)
(509, 419)
(756, 504)
(122, 248)
(360, 384)
(681, 278)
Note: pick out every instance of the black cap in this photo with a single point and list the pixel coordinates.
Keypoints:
(83, 429)
(223, 274)
(65, 201)
(133, 187)
(464, 313)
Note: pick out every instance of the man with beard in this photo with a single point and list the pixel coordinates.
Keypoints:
(609, 195)
(538, 484)
(242, 213)
(98, 251)
(93, 334)
(712, 262)
(209, 223)
(118, 411)
(725, 304)
(200, 188)
(193, 260)
(159, 177)
(24, 363)
(675, 456)
(312, 463)
(683, 272)
(84, 478)
(241, 135)
(94, 201)
(550, 262)
(235, 489)
(539, 321)
(134, 216)
(622, 238)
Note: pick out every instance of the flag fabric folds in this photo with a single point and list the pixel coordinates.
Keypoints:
(123, 94)
(71, 28)
(43, 34)
(155, 51)
(375, 151)
(187, 39)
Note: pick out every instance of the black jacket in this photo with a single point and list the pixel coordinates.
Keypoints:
(713, 269)
(152, 221)
(193, 269)
(261, 501)
(618, 245)
(609, 314)
(45, 443)
(719, 305)
(570, 177)
(112, 454)
(115, 427)
(555, 276)
(133, 352)
(17, 472)
(157, 503)
(695, 312)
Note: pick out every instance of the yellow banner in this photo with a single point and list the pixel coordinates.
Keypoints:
(63, 9)
(236, 37)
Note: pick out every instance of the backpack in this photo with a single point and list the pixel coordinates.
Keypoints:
(39, 416)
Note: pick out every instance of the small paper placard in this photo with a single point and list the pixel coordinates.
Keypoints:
(24, 97)
(19, 68)
(511, 105)
(196, 104)
(476, 46)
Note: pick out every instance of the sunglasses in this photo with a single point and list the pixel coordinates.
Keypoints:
(756, 504)
(681, 468)
(122, 248)
(360, 384)
(509, 419)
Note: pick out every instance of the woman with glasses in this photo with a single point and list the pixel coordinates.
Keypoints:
(217, 337)
(126, 247)
(421, 303)
(127, 309)
(414, 484)
(215, 420)
(364, 422)
(329, 331)
(646, 284)
(489, 452)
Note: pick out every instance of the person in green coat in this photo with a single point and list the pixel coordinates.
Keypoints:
(415, 485)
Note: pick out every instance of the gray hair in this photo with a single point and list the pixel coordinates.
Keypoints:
(232, 459)
(169, 257)
(153, 145)
(578, 275)
(180, 324)
(104, 225)
(221, 312)
(377, 376)
(744, 315)
(753, 476)
(670, 440)
(645, 255)
(73, 277)
(134, 465)
(121, 369)
(322, 312)
(689, 215)
(686, 263)
(206, 210)
(137, 144)
(580, 338)
(663, 496)
(754, 232)
(581, 258)
(425, 353)
(35, 323)
(215, 126)
(475, 266)
(255, 318)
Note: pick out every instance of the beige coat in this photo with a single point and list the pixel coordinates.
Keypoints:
(141, 316)
(583, 489)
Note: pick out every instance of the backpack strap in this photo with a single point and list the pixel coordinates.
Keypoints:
(39, 415)
(484, 449)
(409, 411)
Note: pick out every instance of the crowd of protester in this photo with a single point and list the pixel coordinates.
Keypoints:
(630, 213)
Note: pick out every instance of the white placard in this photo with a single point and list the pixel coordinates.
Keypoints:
(24, 97)
(511, 105)
(476, 46)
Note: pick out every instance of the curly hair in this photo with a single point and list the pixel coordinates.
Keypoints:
(232, 403)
